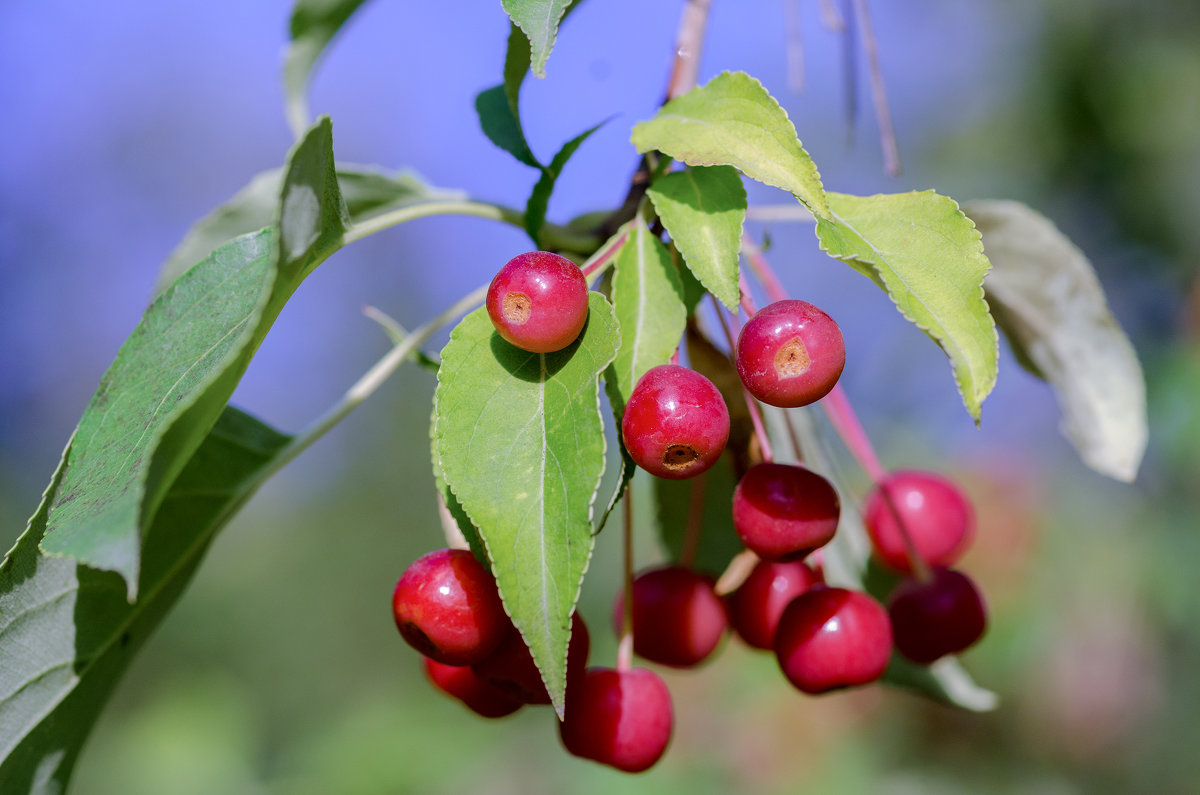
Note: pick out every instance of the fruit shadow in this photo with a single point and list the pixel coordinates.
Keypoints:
(528, 366)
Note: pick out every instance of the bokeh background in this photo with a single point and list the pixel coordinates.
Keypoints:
(280, 672)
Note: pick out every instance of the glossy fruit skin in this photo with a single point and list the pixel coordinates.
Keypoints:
(538, 301)
(620, 719)
(932, 619)
(755, 607)
(510, 668)
(831, 638)
(790, 354)
(935, 512)
(446, 606)
(676, 423)
(678, 619)
(783, 512)
(462, 683)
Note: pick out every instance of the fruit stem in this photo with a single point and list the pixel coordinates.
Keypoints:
(695, 521)
(763, 270)
(625, 642)
(752, 406)
(735, 573)
(887, 132)
(599, 262)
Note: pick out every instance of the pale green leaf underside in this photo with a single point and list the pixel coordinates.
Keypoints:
(538, 19)
(173, 376)
(927, 256)
(1048, 301)
(733, 121)
(67, 633)
(703, 210)
(314, 23)
(521, 444)
(648, 301)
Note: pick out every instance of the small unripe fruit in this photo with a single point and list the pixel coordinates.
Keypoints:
(511, 669)
(678, 619)
(619, 718)
(446, 606)
(539, 301)
(932, 619)
(830, 638)
(756, 606)
(676, 423)
(479, 696)
(936, 514)
(781, 511)
(790, 354)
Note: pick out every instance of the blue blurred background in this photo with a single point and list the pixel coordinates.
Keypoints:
(279, 671)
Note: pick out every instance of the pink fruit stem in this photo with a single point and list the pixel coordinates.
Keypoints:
(695, 521)
(625, 642)
(601, 259)
(751, 404)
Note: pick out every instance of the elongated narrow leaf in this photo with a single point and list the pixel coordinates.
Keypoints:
(502, 126)
(733, 121)
(173, 376)
(539, 200)
(538, 19)
(703, 210)
(927, 256)
(1052, 309)
(314, 24)
(521, 443)
(67, 632)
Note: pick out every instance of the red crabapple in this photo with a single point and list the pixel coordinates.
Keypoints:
(676, 423)
(756, 606)
(830, 638)
(446, 606)
(678, 619)
(461, 682)
(619, 718)
(936, 514)
(539, 301)
(790, 354)
(932, 619)
(782, 511)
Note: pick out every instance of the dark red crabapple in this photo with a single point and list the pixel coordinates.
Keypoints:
(830, 638)
(461, 682)
(932, 619)
(790, 354)
(755, 607)
(937, 515)
(678, 619)
(619, 718)
(446, 606)
(538, 301)
(676, 423)
(511, 669)
(782, 511)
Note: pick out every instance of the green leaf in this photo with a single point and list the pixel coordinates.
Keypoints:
(733, 121)
(538, 19)
(703, 210)
(366, 193)
(173, 376)
(648, 300)
(704, 501)
(927, 256)
(67, 632)
(502, 126)
(539, 200)
(946, 681)
(314, 23)
(1051, 307)
(521, 442)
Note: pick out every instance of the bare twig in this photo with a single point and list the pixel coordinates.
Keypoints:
(831, 17)
(688, 45)
(794, 34)
(849, 72)
(887, 133)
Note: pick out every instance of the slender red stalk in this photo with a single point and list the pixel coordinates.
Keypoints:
(625, 642)
(751, 404)
(695, 521)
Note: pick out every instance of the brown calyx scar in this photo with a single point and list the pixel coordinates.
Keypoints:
(791, 359)
(679, 457)
(516, 307)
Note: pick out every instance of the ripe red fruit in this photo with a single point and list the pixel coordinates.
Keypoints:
(790, 354)
(619, 718)
(511, 669)
(782, 511)
(676, 423)
(830, 638)
(678, 619)
(446, 606)
(937, 515)
(539, 301)
(756, 606)
(462, 683)
(936, 618)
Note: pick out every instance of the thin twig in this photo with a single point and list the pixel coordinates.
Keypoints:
(688, 44)
(831, 17)
(887, 132)
(794, 49)
(849, 73)
(760, 430)
(625, 643)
